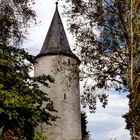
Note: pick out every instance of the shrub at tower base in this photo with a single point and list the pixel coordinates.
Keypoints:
(85, 133)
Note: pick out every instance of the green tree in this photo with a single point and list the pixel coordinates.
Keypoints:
(111, 58)
(22, 105)
(85, 133)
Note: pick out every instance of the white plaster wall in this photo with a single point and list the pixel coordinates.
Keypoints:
(65, 72)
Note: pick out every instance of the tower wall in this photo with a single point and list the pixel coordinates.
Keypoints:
(65, 95)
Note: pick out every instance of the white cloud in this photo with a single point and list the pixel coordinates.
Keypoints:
(117, 133)
(108, 123)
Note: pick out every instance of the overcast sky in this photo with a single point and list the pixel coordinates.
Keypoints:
(105, 124)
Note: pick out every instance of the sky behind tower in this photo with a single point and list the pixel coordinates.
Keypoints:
(106, 123)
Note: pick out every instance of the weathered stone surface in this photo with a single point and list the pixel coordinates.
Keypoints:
(65, 94)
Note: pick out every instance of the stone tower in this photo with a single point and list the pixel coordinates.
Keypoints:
(56, 59)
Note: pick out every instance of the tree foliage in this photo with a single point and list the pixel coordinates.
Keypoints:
(85, 133)
(100, 55)
(22, 105)
(16, 16)
(107, 32)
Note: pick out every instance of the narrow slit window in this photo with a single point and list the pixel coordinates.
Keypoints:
(68, 61)
(64, 96)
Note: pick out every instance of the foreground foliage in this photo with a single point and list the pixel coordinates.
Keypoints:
(22, 105)
(21, 102)
(110, 59)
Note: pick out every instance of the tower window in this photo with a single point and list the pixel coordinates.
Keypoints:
(68, 61)
(64, 96)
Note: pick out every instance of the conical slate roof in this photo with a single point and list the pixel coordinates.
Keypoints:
(56, 41)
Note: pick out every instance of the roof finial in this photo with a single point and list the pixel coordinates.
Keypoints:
(56, 3)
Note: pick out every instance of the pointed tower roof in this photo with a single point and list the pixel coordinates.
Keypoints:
(56, 41)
